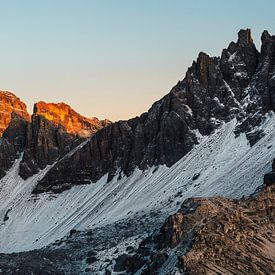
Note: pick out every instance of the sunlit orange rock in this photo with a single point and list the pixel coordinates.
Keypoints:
(63, 115)
(10, 103)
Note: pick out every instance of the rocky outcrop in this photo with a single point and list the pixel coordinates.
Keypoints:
(239, 62)
(268, 68)
(239, 239)
(214, 90)
(14, 119)
(55, 129)
(62, 115)
(10, 103)
(212, 236)
(13, 142)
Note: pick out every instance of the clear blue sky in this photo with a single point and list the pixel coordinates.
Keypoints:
(115, 58)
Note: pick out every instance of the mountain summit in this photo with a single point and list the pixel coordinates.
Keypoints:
(61, 114)
(10, 103)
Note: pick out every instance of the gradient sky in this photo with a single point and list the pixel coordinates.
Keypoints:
(115, 58)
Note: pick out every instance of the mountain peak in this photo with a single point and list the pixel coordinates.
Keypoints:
(62, 114)
(245, 37)
(266, 36)
(268, 46)
(10, 103)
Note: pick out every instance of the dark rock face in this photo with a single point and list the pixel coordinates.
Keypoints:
(239, 62)
(214, 90)
(240, 84)
(55, 129)
(14, 119)
(161, 136)
(45, 144)
(13, 142)
(269, 178)
(268, 58)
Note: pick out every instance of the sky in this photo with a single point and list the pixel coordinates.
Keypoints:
(114, 58)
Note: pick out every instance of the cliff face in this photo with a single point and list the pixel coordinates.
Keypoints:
(14, 119)
(12, 142)
(239, 84)
(52, 131)
(62, 115)
(10, 103)
(55, 129)
(214, 90)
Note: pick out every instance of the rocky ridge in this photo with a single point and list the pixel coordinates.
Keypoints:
(215, 90)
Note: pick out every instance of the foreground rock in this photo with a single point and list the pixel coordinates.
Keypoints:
(213, 236)
(239, 239)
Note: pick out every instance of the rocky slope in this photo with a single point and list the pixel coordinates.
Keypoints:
(240, 239)
(211, 236)
(215, 90)
(212, 168)
(214, 235)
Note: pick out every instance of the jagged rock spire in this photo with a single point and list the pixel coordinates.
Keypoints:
(245, 37)
(268, 47)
